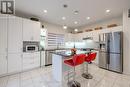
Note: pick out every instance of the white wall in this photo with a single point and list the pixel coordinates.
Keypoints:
(126, 48)
(117, 20)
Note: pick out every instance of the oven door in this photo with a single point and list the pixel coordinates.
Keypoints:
(31, 48)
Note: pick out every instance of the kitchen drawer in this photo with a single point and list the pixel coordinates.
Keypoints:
(28, 55)
(28, 61)
(31, 60)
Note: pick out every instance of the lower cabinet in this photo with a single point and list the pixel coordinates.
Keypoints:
(14, 62)
(30, 60)
(3, 64)
(96, 61)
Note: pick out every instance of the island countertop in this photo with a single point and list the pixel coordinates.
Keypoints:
(68, 53)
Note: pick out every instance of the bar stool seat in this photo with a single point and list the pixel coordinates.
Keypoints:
(76, 60)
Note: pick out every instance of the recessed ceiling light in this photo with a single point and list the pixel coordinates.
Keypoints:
(75, 22)
(88, 18)
(75, 30)
(63, 18)
(45, 11)
(64, 27)
(107, 11)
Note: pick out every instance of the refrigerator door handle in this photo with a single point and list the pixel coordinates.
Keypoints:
(108, 59)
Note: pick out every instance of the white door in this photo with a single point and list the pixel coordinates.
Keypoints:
(14, 35)
(27, 30)
(36, 31)
(14, 62)
(3, 34)
(3, 64)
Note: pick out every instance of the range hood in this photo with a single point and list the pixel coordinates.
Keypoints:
(88, 38)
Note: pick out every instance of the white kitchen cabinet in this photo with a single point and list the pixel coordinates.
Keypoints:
(14, 44)
(3, 64)
(95, 35)
(3, 34)
(14, 34)
(27, 30)
(78, 37)
(42, 53)
(36, 31)
(14, 63)
(96, 61)
(3, 44)
(113, 29)
(31, 30)
(116, 29)
(31, 60)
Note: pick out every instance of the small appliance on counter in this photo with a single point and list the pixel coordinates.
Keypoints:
(111, 51)
(30, 46)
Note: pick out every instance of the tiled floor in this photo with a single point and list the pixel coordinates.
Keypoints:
(42, 77)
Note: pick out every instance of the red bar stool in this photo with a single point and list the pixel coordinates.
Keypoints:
(76, 60)
(88, 59)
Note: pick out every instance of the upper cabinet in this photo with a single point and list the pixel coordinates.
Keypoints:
(14, 34)
(31, 30)
(94, 34)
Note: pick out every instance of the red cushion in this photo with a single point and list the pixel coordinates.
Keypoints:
(90, 57)
(69, 62)
(76, 60)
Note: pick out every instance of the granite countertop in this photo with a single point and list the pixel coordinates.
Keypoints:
(70, 48)
(68, 53)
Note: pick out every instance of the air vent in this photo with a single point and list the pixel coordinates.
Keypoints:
(129, 13)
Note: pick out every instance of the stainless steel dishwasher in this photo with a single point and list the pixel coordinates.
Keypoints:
(48, 57)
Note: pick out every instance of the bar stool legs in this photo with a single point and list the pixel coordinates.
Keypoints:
(86, 74)
(73, 83)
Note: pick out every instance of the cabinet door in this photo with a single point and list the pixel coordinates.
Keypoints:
(117, 29)
(14, 62)
(36, 31)
(14, 35)
(36, 59)
(31, 60)
(3, 64)
(3, 34)
(27, 30)
(27, 62)
(95, 36)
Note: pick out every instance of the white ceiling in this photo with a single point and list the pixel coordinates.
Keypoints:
(87, 8)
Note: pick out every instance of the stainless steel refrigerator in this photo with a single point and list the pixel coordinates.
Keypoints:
(111, 51)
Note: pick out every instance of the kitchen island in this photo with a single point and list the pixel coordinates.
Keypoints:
(59, 69)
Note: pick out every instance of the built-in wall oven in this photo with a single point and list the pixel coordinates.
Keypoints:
(30, 46)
